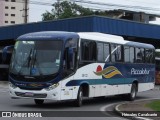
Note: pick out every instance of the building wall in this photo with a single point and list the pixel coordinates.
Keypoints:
(11, 12)
(1, 11)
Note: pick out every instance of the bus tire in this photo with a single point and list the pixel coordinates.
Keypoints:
(133, 93)
(79, 99)
(38, 102)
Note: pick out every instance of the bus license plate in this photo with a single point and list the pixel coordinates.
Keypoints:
(28, 94)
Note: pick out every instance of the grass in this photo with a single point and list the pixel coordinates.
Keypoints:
(155, 105)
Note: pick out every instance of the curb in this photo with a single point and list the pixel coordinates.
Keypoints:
(118, 111)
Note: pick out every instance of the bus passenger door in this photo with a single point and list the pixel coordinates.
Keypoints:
(69, 67)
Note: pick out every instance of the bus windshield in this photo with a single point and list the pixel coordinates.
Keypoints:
(35, 58)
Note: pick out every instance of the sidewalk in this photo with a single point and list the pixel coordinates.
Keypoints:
(137, 110)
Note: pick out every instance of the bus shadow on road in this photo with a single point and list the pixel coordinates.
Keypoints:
(88, 102)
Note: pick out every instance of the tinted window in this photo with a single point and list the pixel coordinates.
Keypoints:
(126, 54)
(139, 55)
(106, 52)
(149, 56)
(88, 50)
(131, 53)
(116, 52)
(100, 52)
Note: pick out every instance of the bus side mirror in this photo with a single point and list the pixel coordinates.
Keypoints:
(5, 52)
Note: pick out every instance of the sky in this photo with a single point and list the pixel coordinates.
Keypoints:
(149, 6)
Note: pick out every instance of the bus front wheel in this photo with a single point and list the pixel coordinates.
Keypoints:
(79, 99)
(133, 93)
(38, 102)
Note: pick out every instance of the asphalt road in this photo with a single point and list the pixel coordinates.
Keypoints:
(96, 104)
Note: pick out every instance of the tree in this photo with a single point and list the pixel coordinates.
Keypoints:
(66, 9)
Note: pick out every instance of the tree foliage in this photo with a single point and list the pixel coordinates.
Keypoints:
(67, 9)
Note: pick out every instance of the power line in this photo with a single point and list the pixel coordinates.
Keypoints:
(96, 5)
(116, 5)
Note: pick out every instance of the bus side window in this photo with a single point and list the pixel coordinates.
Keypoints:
(139, 55)
(126, 54)
(113, 55)
(100, 50)
(116, 53)
(107, 52)
(131, 55)
(88, 50)
(149, 54)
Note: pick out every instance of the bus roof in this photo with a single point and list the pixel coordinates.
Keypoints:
(112, 39)
(48, 35)
(54, 35)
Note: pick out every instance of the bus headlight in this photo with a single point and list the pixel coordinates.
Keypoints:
(12, 86)
(52, 87)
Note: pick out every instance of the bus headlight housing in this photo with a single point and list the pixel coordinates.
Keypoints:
(52, 87)
(12, 86)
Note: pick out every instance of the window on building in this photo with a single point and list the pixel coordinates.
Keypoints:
(88, 50)
(6, 21)
(6, 14)
(13, 0)
(6, 0)
(6, 7)
(13, 15)
(13, 22)
(13, 8)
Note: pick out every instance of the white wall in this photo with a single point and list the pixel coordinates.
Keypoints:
(18, 11)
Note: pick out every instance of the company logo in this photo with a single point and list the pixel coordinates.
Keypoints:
(108, 72)
(6, 114)
(33, 71)
(35, 85)
(139, 72)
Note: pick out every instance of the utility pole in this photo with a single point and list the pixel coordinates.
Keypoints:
(26, 11)
(58, 11)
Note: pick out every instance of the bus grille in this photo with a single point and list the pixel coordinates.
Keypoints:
(35, 95)
(25, 88)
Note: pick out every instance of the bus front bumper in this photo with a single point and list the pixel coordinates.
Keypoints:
(17, 93)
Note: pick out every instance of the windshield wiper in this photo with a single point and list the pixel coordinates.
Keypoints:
(34, 61)
(26, 62)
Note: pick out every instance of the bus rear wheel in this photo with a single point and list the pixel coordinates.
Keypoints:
(79, 99)
(38, 102)
(132, 95)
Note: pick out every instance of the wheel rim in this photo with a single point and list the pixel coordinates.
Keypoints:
(80, 97)
(133, 93)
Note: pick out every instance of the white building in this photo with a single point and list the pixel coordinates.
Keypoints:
(12, 12)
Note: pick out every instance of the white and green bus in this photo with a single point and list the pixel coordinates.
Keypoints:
(70, 66)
